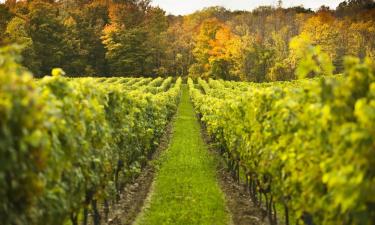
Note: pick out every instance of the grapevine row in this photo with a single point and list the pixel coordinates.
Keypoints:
(67, 145)
(305, 145)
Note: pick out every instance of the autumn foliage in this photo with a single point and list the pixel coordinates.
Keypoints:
(134, 38)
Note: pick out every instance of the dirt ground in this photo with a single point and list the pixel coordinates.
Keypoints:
(238, 201)
(133, 197)
(242, 209)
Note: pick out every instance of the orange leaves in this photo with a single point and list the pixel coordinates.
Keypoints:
(340, 36)
(125, 14)
(215, 44)
(208, 29)
(223, 43)
(110, 28)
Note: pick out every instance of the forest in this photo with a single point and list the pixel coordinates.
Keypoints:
(132, 38)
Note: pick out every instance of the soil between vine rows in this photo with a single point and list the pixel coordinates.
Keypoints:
(134, 195)
(238, 200)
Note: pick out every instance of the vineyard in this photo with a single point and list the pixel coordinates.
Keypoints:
(156, 112)
(303, 149)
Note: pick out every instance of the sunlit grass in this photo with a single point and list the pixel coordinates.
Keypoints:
(186, 190)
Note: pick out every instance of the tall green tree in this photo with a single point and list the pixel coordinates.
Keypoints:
(83, 31)
(135, 39)
(17, 32)
(47, 32)
(5, 17)
(126, 51)
(156, 25)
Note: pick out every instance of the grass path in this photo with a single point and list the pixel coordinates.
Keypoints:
(186, 190)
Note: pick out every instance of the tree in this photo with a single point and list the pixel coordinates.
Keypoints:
(178, 54)
(5, 17)
(126, 50)
(360, 38)
(47, 33)
(253, 58)
(83, 31)
(354, 8)
(213, 50)
(16, 32)
(222, 48)
(156, 26)
(309, 60)
(134, 39)
(281, 69)
(131, 37)
(323, 29)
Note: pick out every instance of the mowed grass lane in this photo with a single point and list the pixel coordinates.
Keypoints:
(186, 190)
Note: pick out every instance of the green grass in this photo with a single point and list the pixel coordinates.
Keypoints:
(186, 190)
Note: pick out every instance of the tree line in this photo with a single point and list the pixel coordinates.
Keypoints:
(134, 38)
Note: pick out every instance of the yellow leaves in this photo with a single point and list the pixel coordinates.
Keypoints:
(326, 116)
(208, 29)
(339, 37)
(57, 72)
(320, 19)
(68, 134)
(109, 30)
(324, 30)
(343, 183)
(360, 36)
(309, 60)
(315, 140)
(215, 45)
(70, 22)
(299, 43)
(223, 44)
(363, 26)
(365, 113)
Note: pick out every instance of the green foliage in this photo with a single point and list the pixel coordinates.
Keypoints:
(68, 143)
(280, 72)
(308, 143)
(134, 40)
(57, 72)
(311, 60)
(10, 58)
(258, 59)
(47, 34)
(5, 16)
(23, 152)
(126, 51)
(84, 26)
(16, 32)
(74, 35)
